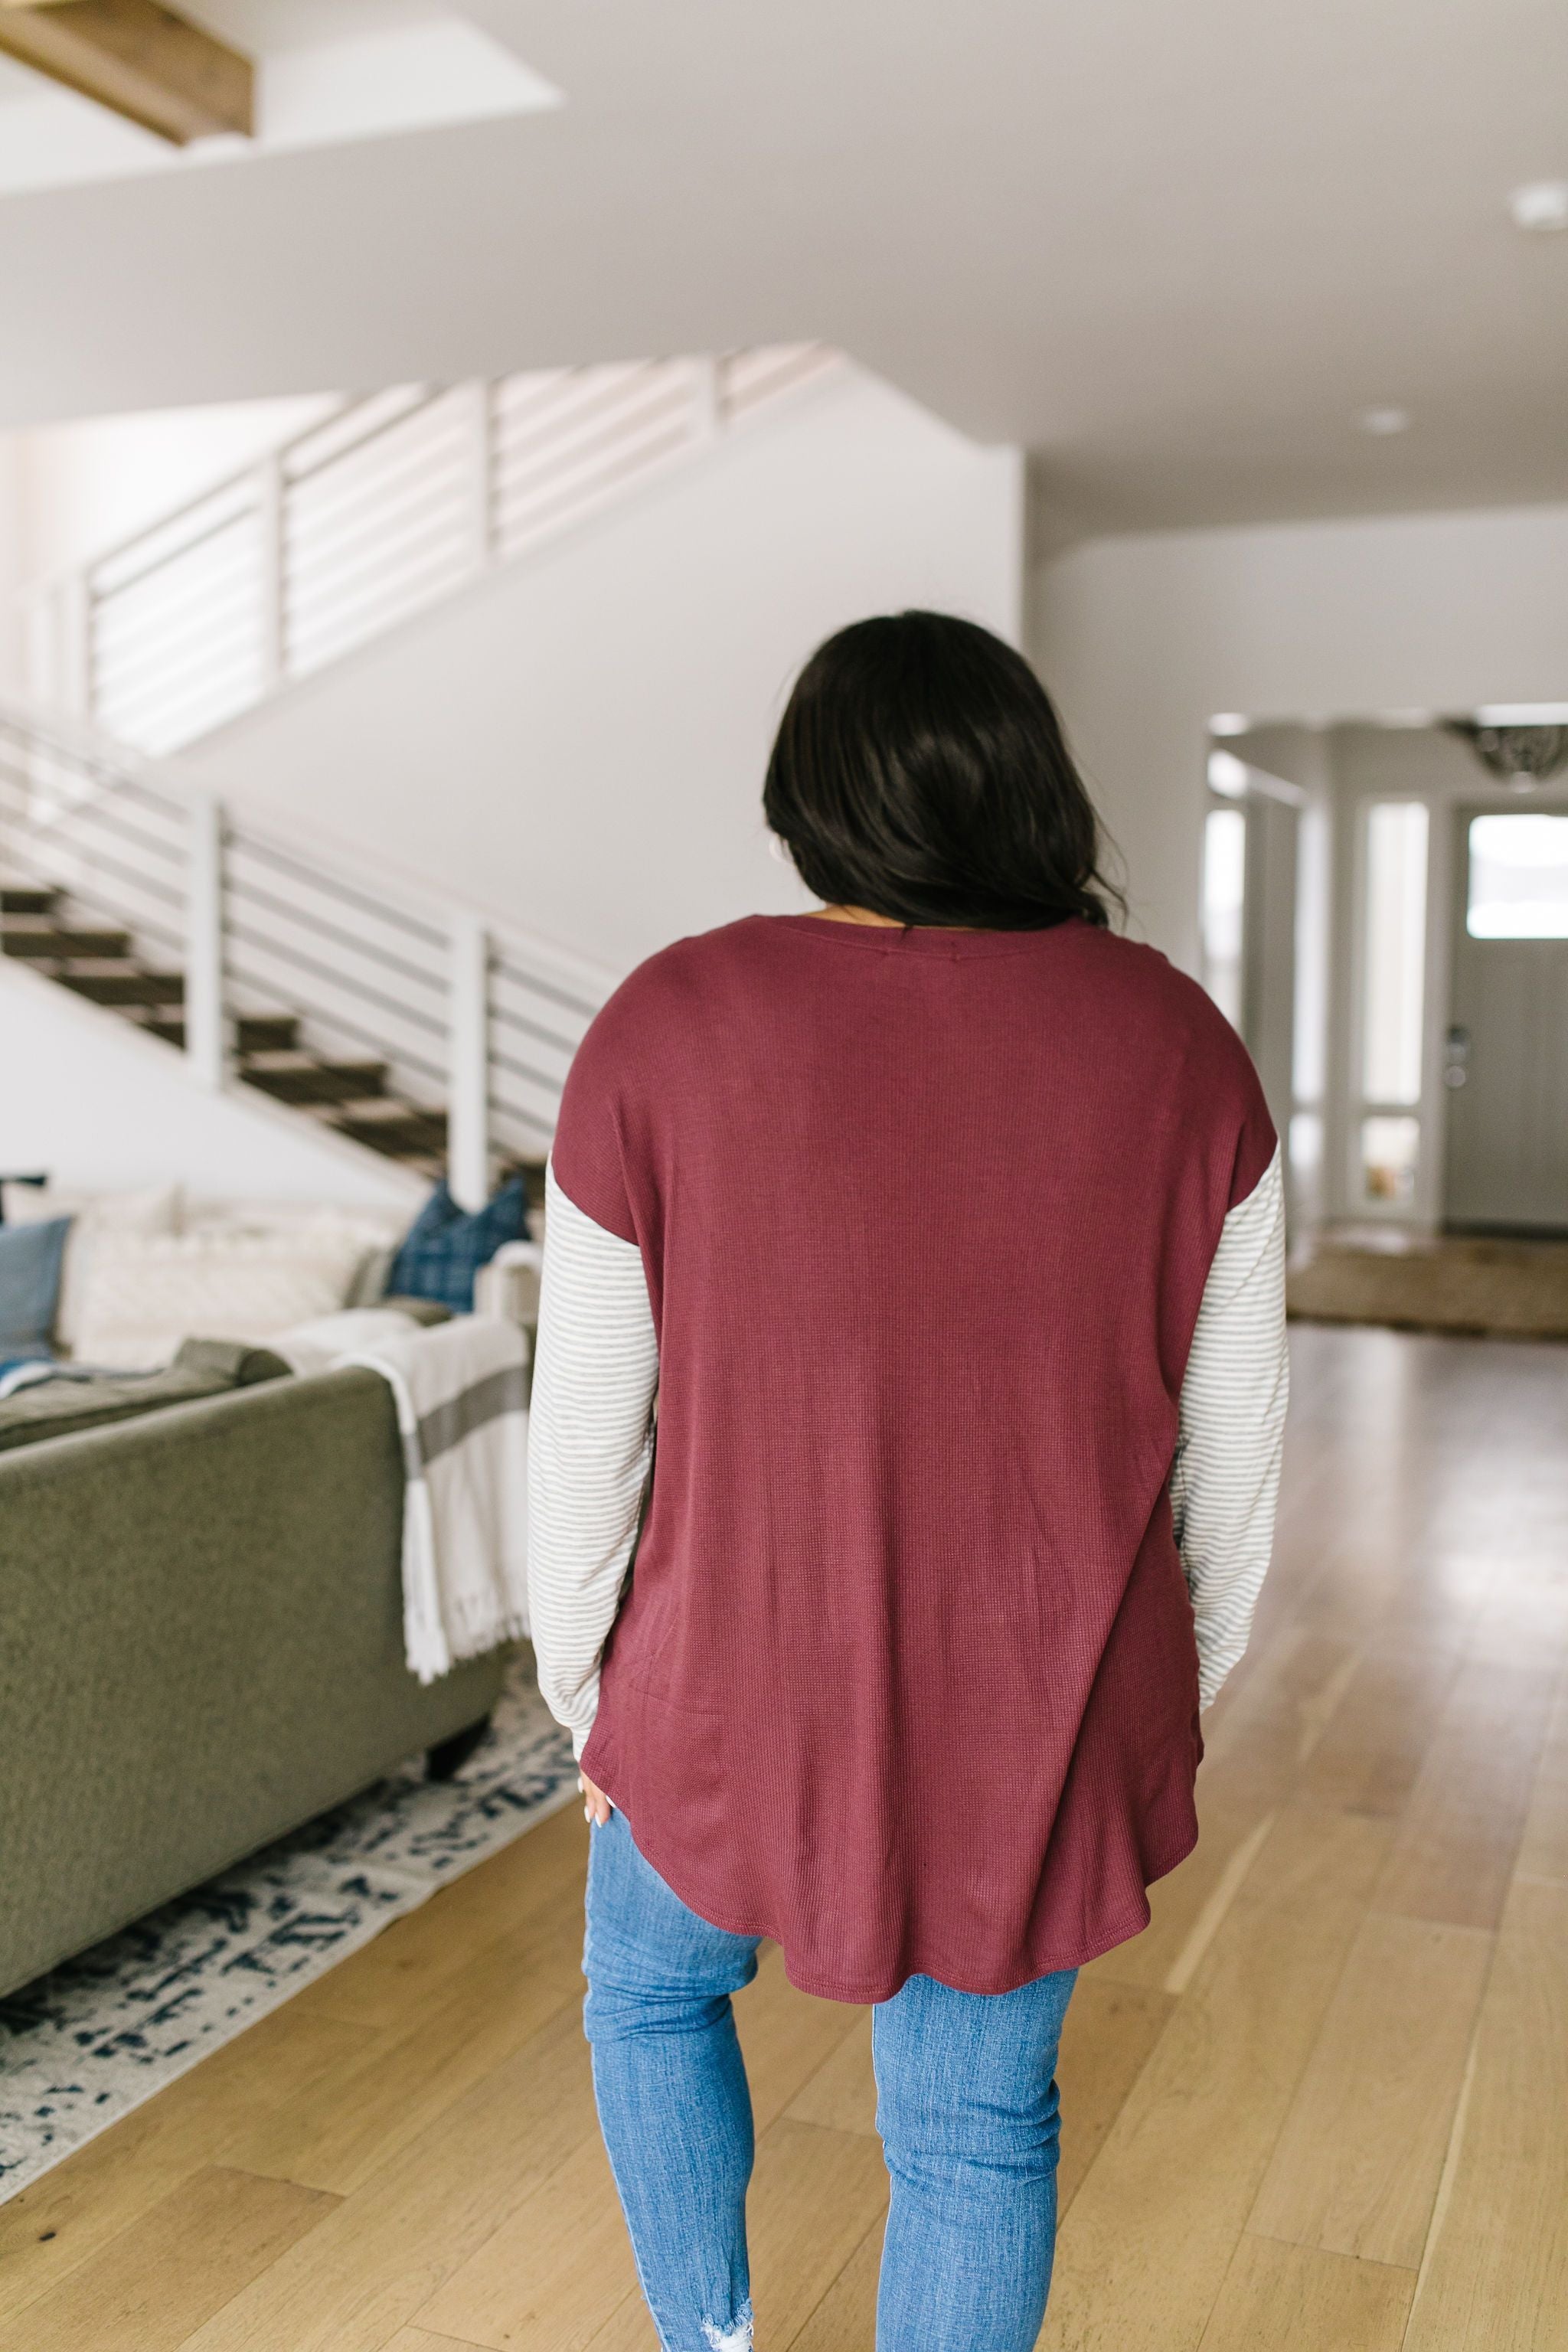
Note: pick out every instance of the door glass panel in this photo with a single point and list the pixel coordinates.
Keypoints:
(1388, 1153)
(1395, 951)
(1225, 893)
(1517, 884)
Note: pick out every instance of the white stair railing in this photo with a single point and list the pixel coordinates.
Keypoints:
(366, 518)
(475, 1022)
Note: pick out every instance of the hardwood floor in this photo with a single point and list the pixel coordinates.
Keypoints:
(1321, 2104)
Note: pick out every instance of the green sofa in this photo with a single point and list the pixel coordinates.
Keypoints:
(201, 1645)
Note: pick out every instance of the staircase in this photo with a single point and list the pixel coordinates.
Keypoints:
(426, 1033)
(430, 1034)
(378, 510)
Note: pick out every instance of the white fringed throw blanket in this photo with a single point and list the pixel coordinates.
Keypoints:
(460, 1390)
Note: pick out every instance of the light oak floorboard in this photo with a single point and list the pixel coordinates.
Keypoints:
(1356, 2168)
(786, 2036)
(65, 2218)
(146, 2290)
(375, 2263)
(1458, 1838)
(413, 1962)
(842, 2094)
(1180, 2167)
(1496, 2278)
(1300, 2299)
(557, 2268)
(1110, 2032)
(846, 2318)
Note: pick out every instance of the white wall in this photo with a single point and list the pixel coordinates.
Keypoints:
(1142, 639)
(84, 486)
(99, 1108)
(578, 742)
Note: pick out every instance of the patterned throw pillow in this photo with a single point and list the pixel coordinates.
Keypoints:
(447, 1246)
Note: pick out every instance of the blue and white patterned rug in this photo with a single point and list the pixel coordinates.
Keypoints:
(82, 2046)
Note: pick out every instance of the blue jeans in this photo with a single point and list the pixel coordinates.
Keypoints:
(966, 2107)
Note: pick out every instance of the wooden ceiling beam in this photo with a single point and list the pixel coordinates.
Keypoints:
(142, 60)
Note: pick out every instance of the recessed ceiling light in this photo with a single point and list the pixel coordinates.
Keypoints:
(1227, 774)
(1383, 420)
(1228, 723)
(1540, 205)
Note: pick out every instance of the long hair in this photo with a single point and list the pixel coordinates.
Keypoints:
(919, 771)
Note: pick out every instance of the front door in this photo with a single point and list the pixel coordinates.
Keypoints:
(1507, 1061)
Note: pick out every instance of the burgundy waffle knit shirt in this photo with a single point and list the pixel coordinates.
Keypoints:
(905, 1677)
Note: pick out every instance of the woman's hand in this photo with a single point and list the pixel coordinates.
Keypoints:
(596, 1806)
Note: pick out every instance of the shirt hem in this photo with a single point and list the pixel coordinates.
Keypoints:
(862, 1996)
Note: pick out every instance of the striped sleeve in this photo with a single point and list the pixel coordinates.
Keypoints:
(1224, 1480)
(590, 1446)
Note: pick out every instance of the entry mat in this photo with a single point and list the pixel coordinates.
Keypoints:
(83, 2046)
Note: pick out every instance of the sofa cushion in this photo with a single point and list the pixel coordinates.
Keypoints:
(71, 1401)
(31, 1259)
(146, 1292)
(153, 1209)
(447, 1246)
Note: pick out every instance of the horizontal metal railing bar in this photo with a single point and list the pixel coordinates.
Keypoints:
(189, 669)
(103, 863)
(505, 969)
(105, 594)
(426, 399)
(248, 472)
(163, 723)
(507, 1019)
(93, 812)
(321, 503)
(103, 771)
(580, 426)
(524, 1070)
(344, 1022)
(227, 575)
(335, 978)
(322, 877)
(579, 393)
(433, 518)
(553, 485)
(544, 516)
(319, 927)
(231, 638)
(556, 495)
(346, 426)
(115, 629)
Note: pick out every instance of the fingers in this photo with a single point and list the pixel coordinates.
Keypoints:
(596, 1806)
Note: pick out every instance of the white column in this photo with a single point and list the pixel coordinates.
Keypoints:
(468, 1064)
(272, 586)
(205, 1034)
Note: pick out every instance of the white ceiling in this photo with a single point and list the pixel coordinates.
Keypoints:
(1172, 249)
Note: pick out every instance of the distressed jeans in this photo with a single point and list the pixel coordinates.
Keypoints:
(966, 2107)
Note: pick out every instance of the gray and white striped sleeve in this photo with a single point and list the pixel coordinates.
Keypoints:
(1225, 1481)
(590, 1444)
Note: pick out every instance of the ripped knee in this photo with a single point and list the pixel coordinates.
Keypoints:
(737, 2338)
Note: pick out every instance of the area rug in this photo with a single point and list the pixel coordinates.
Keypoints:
(1517, 1289)
(82, 2046)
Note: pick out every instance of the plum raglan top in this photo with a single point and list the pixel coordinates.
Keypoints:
(904, 1672)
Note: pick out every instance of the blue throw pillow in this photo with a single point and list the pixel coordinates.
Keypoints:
(30, 1261)
(446, 1247)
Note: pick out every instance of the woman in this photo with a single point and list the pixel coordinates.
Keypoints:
(948, 1227)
